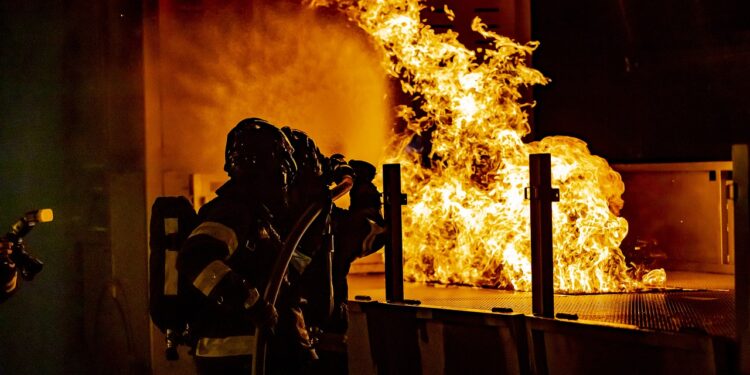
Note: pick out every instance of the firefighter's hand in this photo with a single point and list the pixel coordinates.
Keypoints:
(364, 171)
(339, 167)
(364, 194)
(263, 314)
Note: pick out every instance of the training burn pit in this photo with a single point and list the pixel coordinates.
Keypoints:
(465, 163)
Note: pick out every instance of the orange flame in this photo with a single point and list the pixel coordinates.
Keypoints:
(467, 221)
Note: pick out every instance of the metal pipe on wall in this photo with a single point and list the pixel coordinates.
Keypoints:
(741, 176)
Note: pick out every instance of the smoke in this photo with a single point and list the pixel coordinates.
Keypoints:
(275, 60)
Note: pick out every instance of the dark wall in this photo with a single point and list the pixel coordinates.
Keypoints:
(647, 81)
(40, 326)
(71, 133)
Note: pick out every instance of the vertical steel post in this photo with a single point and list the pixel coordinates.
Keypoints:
(394, 257)
(541, 195)
(741, 176)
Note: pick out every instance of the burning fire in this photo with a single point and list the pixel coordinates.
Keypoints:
(467, 221)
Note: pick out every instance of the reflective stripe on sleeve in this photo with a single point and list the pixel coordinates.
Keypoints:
(171, 225)
(225, 346)
(252, 298)
(218, 231)
(207, 280)
(375, 230)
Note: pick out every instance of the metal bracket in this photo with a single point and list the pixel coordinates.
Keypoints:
(401, 200)
(533, 193)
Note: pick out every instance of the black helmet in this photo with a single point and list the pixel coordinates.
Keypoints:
(258, 150)
(306, 154)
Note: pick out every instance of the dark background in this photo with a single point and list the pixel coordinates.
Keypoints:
(71, 138)
(645, 81)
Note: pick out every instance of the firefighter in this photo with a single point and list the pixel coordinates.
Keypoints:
(320, 264)
(228, 255)
(293, 352)
(322, 261)
(358, 231)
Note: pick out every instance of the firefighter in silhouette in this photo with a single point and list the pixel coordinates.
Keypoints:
(293, 352)
(227, 257)
(320, 265)
(357, 232)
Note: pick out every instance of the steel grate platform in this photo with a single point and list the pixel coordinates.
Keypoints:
(708, 311)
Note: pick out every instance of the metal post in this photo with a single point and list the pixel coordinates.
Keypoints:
(741, 176)
(394, 257)
(541, 195)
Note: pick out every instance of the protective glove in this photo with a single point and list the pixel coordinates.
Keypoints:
(263, 314)
(364, 194)
(364, 171)
(339, 168)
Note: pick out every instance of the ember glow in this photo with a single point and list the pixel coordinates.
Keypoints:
(467, 221)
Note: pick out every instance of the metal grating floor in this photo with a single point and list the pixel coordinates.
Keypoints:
(709, 311)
